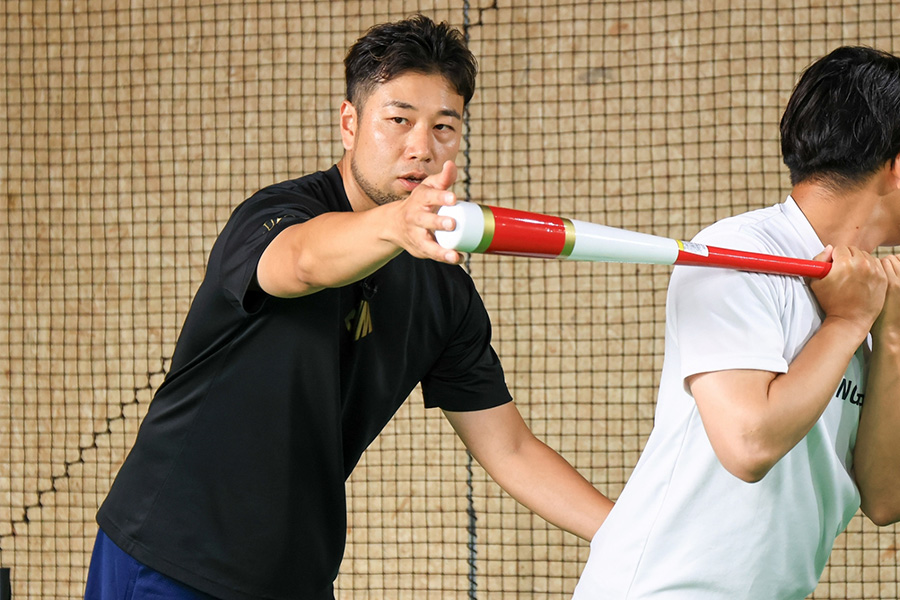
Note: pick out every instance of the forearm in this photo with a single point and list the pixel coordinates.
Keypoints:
(545, 483)
(529, 470)
(876, 458)
(798, 398)
(330, 250)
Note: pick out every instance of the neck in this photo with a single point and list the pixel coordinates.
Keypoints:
(359, 201)
(863, 216)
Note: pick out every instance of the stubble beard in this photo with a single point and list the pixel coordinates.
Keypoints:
(379, 197)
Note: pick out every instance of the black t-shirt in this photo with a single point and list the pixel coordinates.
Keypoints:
(235, 484)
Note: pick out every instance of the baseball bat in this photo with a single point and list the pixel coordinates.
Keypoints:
(495, 230)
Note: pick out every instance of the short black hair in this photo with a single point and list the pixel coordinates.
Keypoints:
(417, 44)
(842, 122)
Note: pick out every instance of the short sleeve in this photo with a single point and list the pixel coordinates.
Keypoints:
(249, 231)
(723, 319)
(467, 375)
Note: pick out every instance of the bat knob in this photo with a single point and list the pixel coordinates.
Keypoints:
(469, 230)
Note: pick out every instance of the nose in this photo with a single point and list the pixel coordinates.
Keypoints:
(419, 143)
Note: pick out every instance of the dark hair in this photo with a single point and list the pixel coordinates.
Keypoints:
(842, 122)
(416, 44)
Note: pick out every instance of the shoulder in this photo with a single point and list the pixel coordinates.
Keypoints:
(310, 195)
(705, 290)
(750, 228)
(772, 230)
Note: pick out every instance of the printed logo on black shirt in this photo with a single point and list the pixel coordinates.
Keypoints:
(271, 223)
(359, 321)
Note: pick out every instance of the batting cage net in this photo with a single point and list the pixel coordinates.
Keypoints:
(130, 130)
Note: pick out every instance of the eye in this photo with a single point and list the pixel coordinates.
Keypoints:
(444, 127)
(398, 120)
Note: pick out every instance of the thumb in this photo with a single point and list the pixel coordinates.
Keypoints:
(826, 255)
(444, 179)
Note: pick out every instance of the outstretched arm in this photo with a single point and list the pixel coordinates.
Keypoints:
(338, 248)
(529, 470)
(876, 459)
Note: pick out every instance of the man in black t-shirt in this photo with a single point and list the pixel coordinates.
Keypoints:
(326, 300)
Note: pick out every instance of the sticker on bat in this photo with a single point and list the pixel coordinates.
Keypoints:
(694, 248)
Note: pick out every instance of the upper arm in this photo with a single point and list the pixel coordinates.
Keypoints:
(276, 272)
(724, 320)
(314, 254)
(732, 405)
(235, 257)
(727, 338)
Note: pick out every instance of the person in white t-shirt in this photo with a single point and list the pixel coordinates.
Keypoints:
(779, 400)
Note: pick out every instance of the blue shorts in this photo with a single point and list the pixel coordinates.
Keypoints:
(114, 575)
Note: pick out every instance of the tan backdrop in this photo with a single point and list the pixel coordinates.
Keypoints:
(131, 129)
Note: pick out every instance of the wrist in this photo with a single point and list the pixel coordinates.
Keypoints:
(385, 219)
(887, 338)
(852, 329)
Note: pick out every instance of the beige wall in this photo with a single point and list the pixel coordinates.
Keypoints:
(132, 129)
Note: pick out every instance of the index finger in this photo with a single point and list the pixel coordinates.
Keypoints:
(891, 265)
(444, 178)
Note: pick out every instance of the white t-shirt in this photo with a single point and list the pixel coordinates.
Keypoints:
(685, 528)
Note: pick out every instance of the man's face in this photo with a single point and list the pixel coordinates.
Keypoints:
(406, 129)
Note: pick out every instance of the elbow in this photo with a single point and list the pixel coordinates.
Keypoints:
(883, 513)
(879, 493)
(748, 472)
(748, 462)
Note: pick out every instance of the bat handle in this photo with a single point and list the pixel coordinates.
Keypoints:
(712, 256)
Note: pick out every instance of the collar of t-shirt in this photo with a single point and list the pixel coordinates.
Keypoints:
(804, 228)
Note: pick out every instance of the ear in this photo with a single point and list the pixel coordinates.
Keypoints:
(349, 122)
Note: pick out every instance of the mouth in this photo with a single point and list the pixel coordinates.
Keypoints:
(411, 180)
